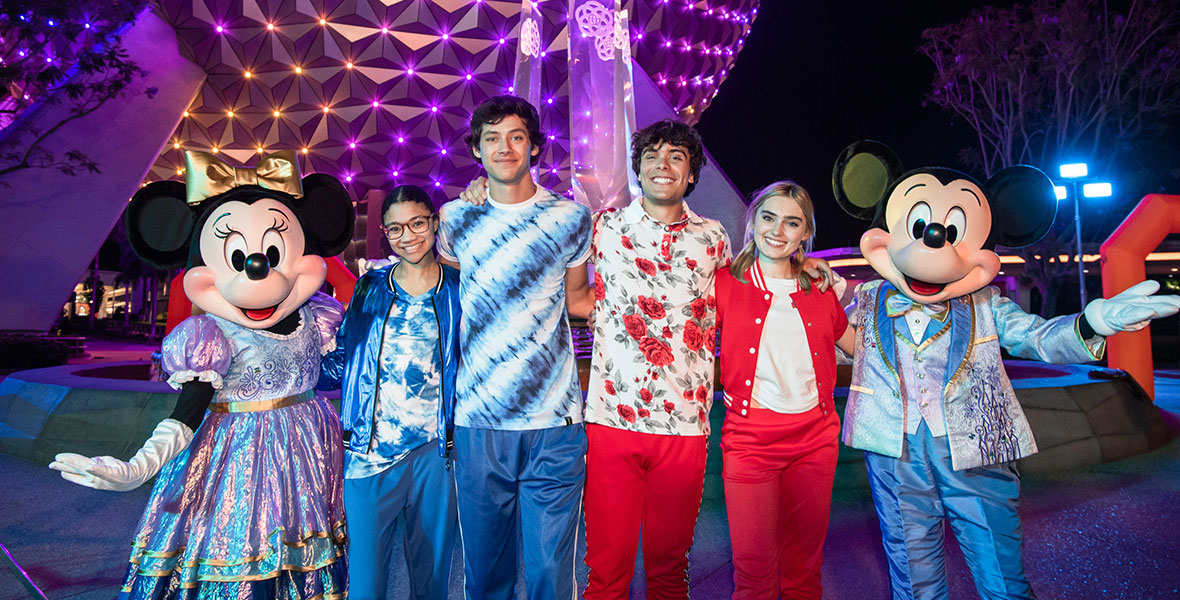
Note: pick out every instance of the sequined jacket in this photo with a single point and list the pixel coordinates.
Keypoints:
(354, 365)
(984, 422)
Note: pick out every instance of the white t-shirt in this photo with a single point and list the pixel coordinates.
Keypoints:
(784, 380)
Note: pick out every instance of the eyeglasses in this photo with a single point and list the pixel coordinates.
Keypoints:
(395, 231)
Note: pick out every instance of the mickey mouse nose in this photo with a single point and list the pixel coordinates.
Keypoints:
(934, 236)
(257, 266)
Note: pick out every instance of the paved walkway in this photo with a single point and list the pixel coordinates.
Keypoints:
(1110, 531)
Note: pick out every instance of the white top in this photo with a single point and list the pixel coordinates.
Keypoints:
(784, 380)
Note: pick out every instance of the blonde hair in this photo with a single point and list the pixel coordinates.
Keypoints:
(749, 252)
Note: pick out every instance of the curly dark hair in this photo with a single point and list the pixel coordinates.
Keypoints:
(494, 109)
(674, 133)
(407, 193)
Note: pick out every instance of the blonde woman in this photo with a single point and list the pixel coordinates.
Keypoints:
(778, 366)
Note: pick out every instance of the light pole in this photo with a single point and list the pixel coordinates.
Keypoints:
(1075, 173)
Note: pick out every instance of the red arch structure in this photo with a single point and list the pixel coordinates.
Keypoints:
(181, 308)
(1124, 256)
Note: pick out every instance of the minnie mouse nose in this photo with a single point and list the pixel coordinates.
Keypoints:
(934, 236)
(257, 266)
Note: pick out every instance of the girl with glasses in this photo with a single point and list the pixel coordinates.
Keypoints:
(395, 361)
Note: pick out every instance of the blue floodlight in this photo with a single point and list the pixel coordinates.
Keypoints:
(1096, 190)
(1060, 191)
(1074, 170)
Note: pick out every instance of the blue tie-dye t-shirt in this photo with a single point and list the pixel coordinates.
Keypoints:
(517, 367)
(406, 410)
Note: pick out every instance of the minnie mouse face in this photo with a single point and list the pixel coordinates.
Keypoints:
(933, 247)
(254, 253)
(255, 272)
(934, 229)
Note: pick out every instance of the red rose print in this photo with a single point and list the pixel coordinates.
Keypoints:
(626, 241)
(711, 338)
(626, 412)
(656, 352)
(665, 267)
(646, 266)
(702, 393)
(666, 250)
(609, 386)
(711, 302)
(643, 412)
(669, 407)
(698, 308)
(636, 328)
(710, 251)
(651, 307)
(599, 288)
(693, 336)
(688, 394)
(645, 395)
(692, 264)
(678, 227)
(667, 332)
(701, 415)
(721, 247)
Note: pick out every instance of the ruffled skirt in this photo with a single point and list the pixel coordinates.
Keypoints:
(254, 508)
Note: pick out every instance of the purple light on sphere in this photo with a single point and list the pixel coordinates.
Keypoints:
(338, 115)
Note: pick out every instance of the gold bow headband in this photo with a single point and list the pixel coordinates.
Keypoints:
(207, 176)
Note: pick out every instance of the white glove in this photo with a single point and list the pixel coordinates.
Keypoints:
(364, 265)
(1131, 310)
(170, 438)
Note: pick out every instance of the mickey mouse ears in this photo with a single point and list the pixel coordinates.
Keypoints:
(862, 174)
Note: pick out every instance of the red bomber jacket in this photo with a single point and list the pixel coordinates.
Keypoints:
(741, 311)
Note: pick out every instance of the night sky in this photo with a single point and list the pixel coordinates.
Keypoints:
(817, 76)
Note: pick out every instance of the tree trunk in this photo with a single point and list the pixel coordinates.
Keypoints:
(127, 289)
(154, 298)
(93, 291)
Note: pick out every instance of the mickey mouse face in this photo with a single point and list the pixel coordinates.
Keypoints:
(933, 247)
(255, 271)
(934, 228)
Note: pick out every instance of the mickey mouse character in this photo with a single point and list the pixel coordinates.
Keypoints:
(930, 403)
(248, 499)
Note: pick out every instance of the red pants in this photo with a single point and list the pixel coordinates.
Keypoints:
(635, 479)
(778, 494)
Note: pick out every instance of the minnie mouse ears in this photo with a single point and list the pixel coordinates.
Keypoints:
(327, 213)
(161, 225)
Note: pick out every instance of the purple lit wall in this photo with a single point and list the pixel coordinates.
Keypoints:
(379, 94)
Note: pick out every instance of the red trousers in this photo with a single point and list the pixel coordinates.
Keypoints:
(778, 472)
(635, 479)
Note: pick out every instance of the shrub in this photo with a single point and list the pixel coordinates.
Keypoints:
(30, 352)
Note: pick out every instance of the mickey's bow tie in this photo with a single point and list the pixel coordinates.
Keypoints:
(897, 304)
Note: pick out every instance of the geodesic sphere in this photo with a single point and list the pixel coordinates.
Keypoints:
(379, 92)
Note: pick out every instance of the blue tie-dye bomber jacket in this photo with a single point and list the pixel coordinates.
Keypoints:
(354, 365)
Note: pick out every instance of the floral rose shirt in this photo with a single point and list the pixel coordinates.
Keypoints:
(654, 329)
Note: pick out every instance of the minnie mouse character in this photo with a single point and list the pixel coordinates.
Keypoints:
(252, 505)
(929, 402)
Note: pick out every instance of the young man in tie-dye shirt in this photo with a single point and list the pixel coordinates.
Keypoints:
(519, 442)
